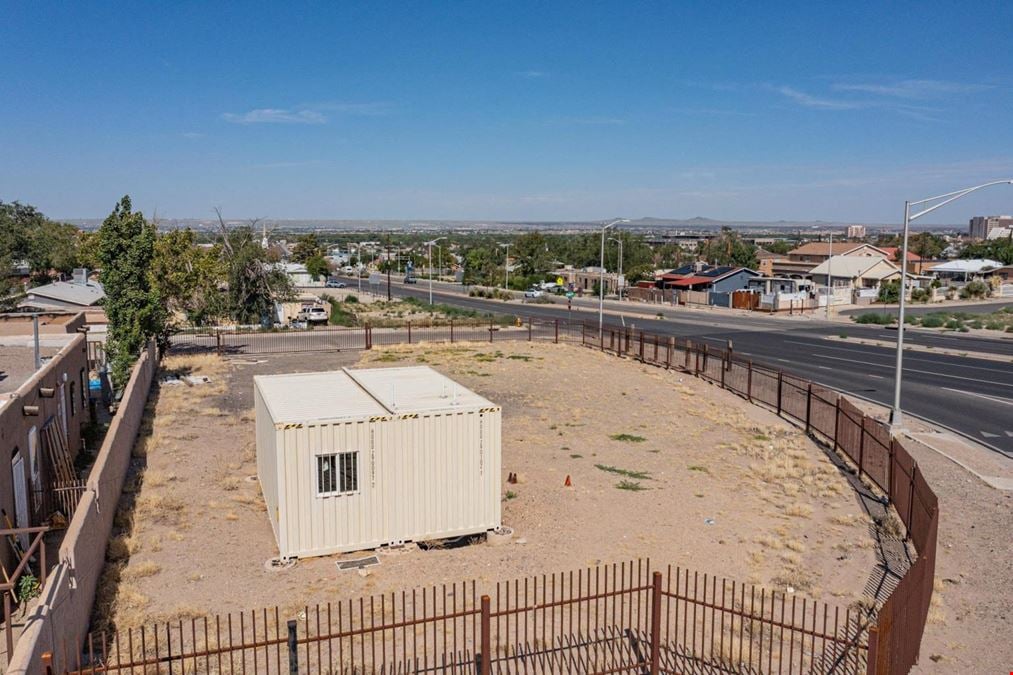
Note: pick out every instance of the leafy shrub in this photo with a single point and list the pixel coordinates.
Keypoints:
(28, 587)
(975, 289)
(933, 320)
(954, 324)
(889, 292)
(352, 299)
(920, 295)
(874, 318)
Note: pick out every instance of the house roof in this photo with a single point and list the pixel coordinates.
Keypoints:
(853, 266)
(691, 281)
(355, 394)
(893, 253)
(971, 265)
(70, 292)
(823, 248)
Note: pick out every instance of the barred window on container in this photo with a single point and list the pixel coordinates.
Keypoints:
(337, 473)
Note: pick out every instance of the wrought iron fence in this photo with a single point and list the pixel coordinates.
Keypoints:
(622, 617)
(778, 636)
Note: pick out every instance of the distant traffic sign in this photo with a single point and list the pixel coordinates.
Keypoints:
(559, 281)
(570, 294)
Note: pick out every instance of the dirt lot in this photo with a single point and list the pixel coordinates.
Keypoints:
(662, 465)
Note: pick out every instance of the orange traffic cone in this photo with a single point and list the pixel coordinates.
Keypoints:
(567, 482)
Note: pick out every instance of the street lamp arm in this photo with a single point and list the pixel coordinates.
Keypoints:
(896, 416)
(952, 196)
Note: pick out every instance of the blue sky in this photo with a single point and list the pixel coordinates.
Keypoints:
(506, 110)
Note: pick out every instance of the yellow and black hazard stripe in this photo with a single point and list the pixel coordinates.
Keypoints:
(290, 425)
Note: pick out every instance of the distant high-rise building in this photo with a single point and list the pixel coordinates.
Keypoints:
(856, 231)
(982, 225)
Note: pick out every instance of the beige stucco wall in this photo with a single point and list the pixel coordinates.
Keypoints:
(64, 609)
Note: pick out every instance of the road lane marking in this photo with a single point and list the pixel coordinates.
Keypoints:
(916, 370)
(996, 399)
(907, 355)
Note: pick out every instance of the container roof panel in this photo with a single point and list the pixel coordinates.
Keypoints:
(305, 397)
(355, 394)
(417, 389)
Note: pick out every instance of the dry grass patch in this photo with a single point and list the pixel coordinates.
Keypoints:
(141, 570)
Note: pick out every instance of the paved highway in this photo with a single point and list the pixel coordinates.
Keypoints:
(972, 396)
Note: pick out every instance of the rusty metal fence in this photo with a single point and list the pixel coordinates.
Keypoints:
(866, 444)
(614, 618)
(608, 619)
(224, 341)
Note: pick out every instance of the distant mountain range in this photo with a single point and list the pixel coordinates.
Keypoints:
(700, 223)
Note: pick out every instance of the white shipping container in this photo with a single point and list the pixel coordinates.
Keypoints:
(356, 459)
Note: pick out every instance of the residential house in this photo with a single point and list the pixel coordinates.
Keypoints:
(718, 281)
(783, 293)
(801, 261)
(853, 278)
(964, 270)
(299, 275)
(585, 280)
(42, 411)
(915, 263)
(80, 293)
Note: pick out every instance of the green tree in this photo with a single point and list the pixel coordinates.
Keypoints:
(88, 250)
(188, 278)
(780, 247)
(132, 305)
(318, 266)
(308, 246)
(1000, 250)
(26, 235)
(728, 248)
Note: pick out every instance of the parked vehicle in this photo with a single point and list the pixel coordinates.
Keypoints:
(312, 314)
(533, 293)
(334, 283)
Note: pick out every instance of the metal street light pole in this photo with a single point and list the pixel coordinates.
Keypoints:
(830, 278)
(601, 278)
(618, 288)
(430, 244)
(896, 417)
(506, 268)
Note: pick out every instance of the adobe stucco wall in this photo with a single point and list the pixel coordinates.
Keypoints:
(68, 367)
(64, 609)
(49, 323)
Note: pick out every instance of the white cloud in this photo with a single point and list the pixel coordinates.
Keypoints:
(810, 101)
(276, 116)
(913, 89)
(532, 74)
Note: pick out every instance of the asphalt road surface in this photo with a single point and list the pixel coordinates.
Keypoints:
(971, 396)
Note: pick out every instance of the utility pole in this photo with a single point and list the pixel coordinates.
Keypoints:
(388, 272)
(830, 278)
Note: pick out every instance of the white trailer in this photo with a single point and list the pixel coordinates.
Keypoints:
(356, 459)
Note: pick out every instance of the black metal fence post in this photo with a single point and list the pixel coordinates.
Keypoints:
(808, 407)
(293, 649)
